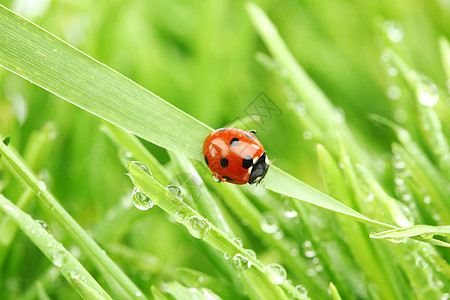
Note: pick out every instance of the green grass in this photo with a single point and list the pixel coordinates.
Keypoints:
(220, 240)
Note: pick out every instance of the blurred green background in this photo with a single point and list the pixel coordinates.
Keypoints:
(202, 56)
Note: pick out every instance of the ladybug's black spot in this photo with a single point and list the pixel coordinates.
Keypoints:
(247, 162)
(206, 161)
(227, 178)
(224, 162)
(234, 142)
(249, 136)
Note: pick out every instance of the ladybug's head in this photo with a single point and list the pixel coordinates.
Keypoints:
(259, 169)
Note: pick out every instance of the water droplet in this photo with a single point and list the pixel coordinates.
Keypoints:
(241, 262)
(298, 107)
(392, 71)
(400, 116)
(385, 56)
(125, 157)
(307, 135)
(427, 199)
(181, 215)
(142, 166)
(251, 254)
(396, 240)
(288, 210)
(393, 31)
(226, 256)
(399, 181)
(427, 236)
(308, 249)
(292, 95)
(278, 235)
(138, 294)
(175, 190)
(45, 226)
(75, 274)
(216, 179)
(269, 223)
(277, 273)
(294, 251)
(394, 92)
(140, 200)
(300, 289)
(197, 226)
(59, 258)
(399, 164)
(427, 92)
(41, 185)
(238, 242)
(407, 197)
(310, 253)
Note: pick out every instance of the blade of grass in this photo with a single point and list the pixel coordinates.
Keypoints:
(180, 292)
(41, 292)
(241, 206)
(157, 294)
(37, 148)
(198, 279)
(45, 60)
(283, 183)
(319, 103)
(49, 62)
(444, 47)
(425, 231)
(140, 260)
(94, 252)
(392, 206)
(200, 227)
(72, 270)
(360, 246)
(318, 106)
(46, 278)
(131, 144)
(334, 292)
(422, 170)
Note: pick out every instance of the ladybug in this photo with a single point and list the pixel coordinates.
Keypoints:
(235, 155)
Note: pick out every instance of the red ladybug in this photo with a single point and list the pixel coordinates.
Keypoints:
(235, 155)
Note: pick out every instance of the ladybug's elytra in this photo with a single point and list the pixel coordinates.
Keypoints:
(235, 155)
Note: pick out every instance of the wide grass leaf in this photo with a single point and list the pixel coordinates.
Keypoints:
(63, 70)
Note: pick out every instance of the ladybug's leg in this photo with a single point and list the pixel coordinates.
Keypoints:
(260, 183)
(217, 178)
(252, 131)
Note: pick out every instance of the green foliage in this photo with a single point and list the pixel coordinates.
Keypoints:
(329, 66)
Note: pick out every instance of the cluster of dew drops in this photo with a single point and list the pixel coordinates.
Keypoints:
(198, 227)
